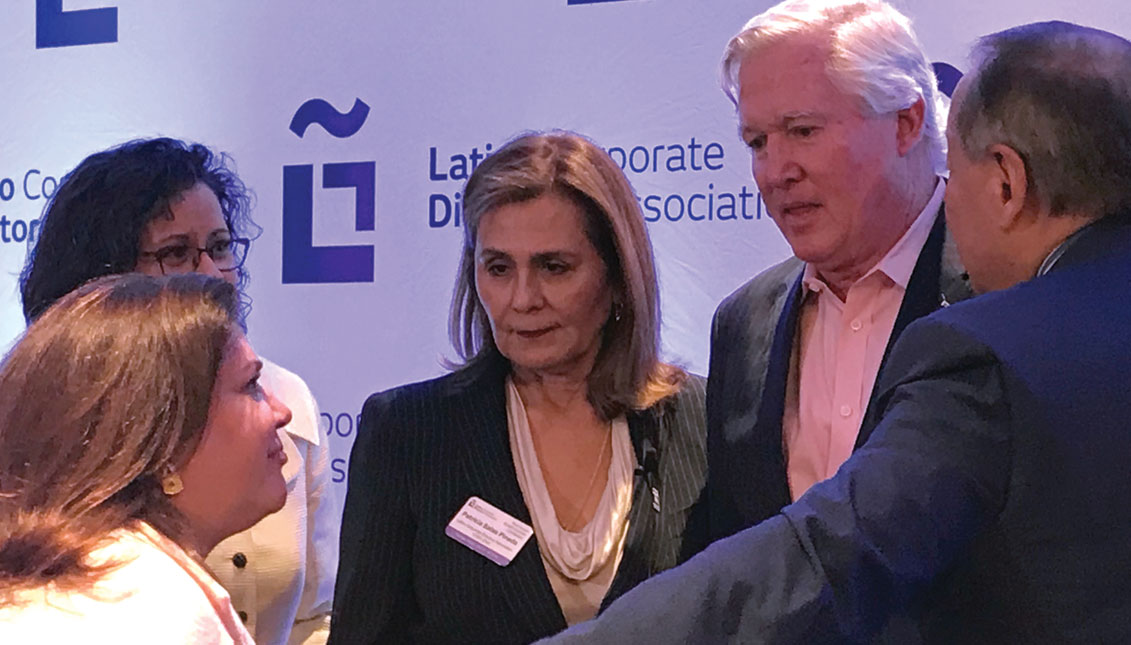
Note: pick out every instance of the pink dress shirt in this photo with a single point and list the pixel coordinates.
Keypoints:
(841, 346)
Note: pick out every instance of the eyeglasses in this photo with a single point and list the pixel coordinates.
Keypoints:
(226, 254)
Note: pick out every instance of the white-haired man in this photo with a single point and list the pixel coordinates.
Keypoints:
(991, 498)
(839, 107)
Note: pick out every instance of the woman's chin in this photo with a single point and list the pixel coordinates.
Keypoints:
(277, 497)
(545, 361)
(271, 497)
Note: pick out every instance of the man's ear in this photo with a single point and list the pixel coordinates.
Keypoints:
(1011, 184)
(909, 126)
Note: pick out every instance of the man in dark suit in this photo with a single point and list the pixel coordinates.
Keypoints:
(838, 105)
(991, 498)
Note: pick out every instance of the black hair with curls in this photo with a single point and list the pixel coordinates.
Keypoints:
(92, 225)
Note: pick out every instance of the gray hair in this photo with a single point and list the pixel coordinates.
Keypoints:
(1058, 94)
(874, 55)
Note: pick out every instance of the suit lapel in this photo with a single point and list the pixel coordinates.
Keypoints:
(954, 283)
(488, 467)
(770, 493)
(645, 524)
(938, 278)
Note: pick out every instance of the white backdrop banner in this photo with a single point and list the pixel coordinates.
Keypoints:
(357, 122)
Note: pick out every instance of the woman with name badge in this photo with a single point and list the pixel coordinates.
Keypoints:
(162, 207)
(134, 436)
(555, 469)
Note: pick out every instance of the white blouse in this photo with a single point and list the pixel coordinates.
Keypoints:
(280, 572)
(580, 565)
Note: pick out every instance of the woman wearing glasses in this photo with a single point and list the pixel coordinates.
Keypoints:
(161, 206)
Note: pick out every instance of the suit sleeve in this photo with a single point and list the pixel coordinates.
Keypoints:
(374, 600)
(862, 544)
(721, 520)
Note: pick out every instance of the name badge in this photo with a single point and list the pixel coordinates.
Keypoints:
(488, 531)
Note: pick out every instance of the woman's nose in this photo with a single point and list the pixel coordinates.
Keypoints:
(527, 292)
(208, 267)
(282, 412)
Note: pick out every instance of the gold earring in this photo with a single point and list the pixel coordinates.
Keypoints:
(172, 484)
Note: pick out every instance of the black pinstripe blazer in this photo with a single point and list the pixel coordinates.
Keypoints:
(421, 451)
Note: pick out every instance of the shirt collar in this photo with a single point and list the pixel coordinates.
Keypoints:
(899, 262)
(1052, 258)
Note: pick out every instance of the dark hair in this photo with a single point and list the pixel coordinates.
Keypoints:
(1060, 95)
(628, 374)
(92, 225)
(106, 393)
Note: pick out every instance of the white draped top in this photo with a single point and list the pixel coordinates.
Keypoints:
(580, 565)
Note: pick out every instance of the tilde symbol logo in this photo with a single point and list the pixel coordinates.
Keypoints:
(304, 263)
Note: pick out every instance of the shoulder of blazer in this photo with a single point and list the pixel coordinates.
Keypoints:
(469, 385)
(759, 293)
(675, 426)
(688, 399)
(674, 432)
(683, 424)
(692, 390)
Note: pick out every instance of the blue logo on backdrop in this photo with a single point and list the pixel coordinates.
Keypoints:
(319, 111)
(569, 2)
(57, 28)
(304, 263)
(948, 77)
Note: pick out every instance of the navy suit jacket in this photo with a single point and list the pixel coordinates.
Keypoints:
(752, 337)
(991, 498)
(421, 451)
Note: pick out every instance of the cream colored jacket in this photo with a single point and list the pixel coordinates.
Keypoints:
(160, 594)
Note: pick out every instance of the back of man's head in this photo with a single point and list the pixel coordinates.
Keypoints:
(1060, 95)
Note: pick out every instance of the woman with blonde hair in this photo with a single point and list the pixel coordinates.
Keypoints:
(561, 423)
